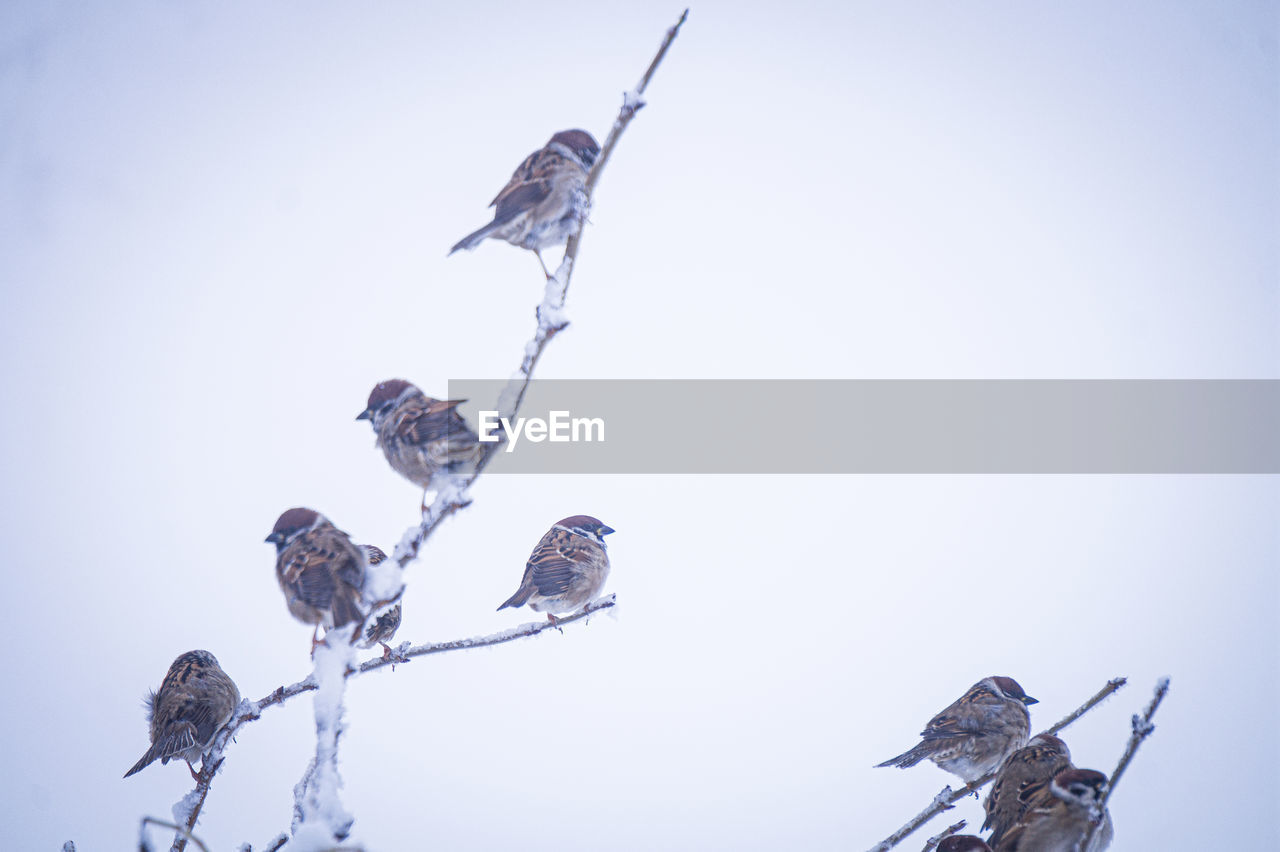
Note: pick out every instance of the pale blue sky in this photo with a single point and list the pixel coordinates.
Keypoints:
(222, 223)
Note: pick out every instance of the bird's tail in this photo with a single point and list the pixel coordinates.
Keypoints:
(907, 758)
(520, 598)
(176, 740)
(474, 238)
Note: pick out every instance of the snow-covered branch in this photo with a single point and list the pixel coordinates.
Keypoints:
(319, 818)
(551, 321)
(187, 811)
(315, 795)
(948, 797)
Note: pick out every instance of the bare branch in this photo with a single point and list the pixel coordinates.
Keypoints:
(631, 103)
(551, 321)
(1106, 691)
(932, 842)
(1142, 728)
(948, 797)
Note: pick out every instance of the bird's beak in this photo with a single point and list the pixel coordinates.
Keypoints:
(606, 530)
(1028, 700)
(365, 415)
(274, 538)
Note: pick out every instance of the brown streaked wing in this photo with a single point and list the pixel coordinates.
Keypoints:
(523, 197)
(522, 174)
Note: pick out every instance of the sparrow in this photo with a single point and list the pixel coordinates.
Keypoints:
(1023, 775)
(194, 701)
(963, 843)
(975, 734)
(320, 570)
(545, 201)
(1060, 816)
(566, 570)
(420, 436)
(382, 623)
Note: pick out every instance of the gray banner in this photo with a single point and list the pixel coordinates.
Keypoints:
(688, 426)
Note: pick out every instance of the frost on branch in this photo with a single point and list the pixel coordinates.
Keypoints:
(319, 817)
(320, 821)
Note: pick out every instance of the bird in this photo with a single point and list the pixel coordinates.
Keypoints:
(963, 843)
(567, 568)
(385, 620)
(545, 201)
(1061, 815)
(320, 570)
(1026, 771)
(420, 436)
(192, 704)
(976, 733)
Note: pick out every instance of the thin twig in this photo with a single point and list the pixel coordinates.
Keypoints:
(172, 826)
(1142, 729)
(249, 711)
(932, 842)
(1106, 691)
(532, 628)
(551, 321)
(948, 797)
(631, 103)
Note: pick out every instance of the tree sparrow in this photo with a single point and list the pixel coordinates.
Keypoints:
(419, 436)
(1026, 771)
(566, 570)
(1060, 815)
(545, 201)
(975, 734)
(319, 570)
(194, 701)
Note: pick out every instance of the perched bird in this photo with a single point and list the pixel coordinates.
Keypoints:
(1026, 771)
(545, 201)
(566, 570)
(420, 436)
(975, 734)
(385, 619)
(194, 701)
(319, 570)
(963, 843)
(1061, 815)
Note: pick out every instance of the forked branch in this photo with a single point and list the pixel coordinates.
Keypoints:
(948, 797)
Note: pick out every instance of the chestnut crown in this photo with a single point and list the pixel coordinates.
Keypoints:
(383, 395)
(290, 522)
(1011, 689)
(585, 525)
(581, 143)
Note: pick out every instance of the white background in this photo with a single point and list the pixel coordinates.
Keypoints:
(222, 223)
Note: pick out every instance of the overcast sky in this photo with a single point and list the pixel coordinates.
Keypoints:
(222, 223)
